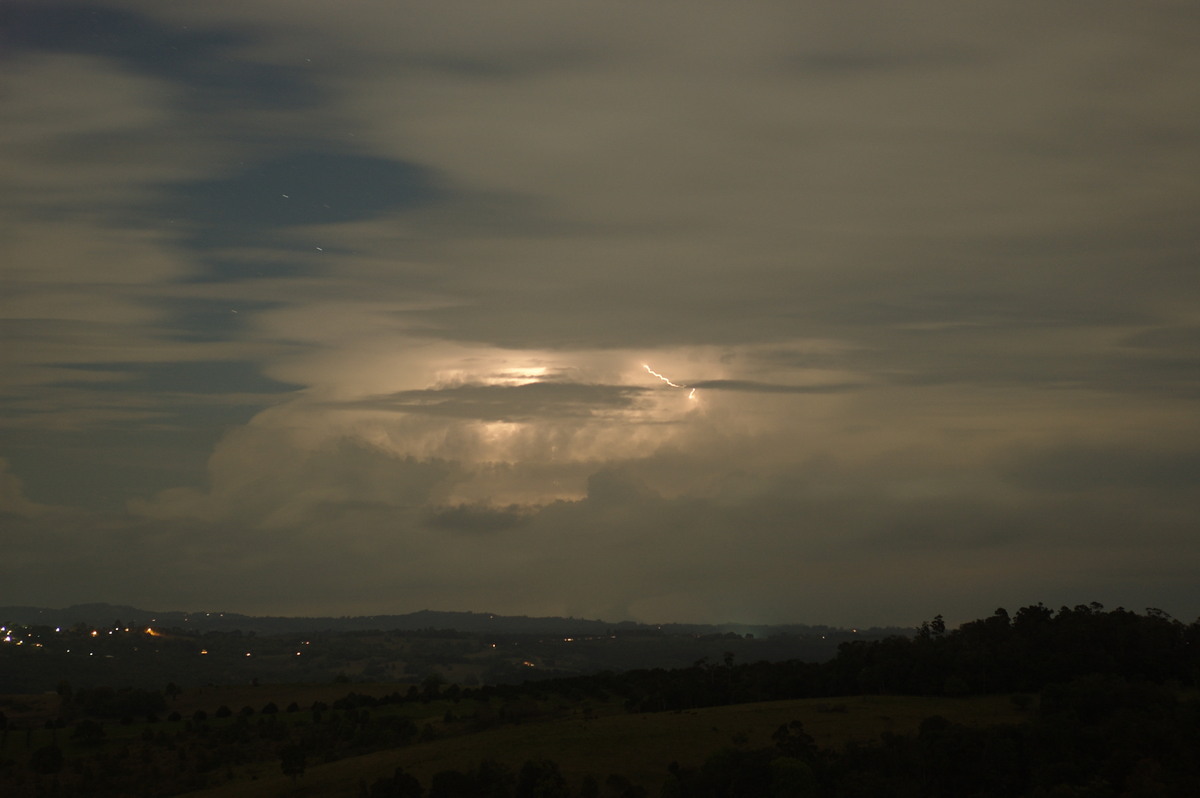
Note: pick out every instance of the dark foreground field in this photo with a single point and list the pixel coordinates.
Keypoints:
(587, 738)
(638, 748)
(1081, 702)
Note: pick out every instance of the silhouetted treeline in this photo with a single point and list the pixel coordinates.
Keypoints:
(1024, 652)
(999, 654)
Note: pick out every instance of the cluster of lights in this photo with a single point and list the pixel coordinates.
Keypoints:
(19, 636)
(12, 635)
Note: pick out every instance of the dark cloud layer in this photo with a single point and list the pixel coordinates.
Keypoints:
(300, 189)
(775, 312)
(766, 387)
(205, 63)
(529, 402)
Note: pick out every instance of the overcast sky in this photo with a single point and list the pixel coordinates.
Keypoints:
(826, 312)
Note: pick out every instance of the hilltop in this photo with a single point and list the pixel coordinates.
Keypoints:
(122, 646)
(101, 615)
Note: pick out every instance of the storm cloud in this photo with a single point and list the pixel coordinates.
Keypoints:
(770, 312)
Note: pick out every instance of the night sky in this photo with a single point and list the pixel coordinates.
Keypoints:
(824, 312)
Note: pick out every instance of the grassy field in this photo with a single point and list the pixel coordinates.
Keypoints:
(637, 746)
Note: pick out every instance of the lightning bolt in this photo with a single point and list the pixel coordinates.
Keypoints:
(661, 377)
(691, 393)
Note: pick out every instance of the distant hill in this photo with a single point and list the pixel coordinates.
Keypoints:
(103, 615)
